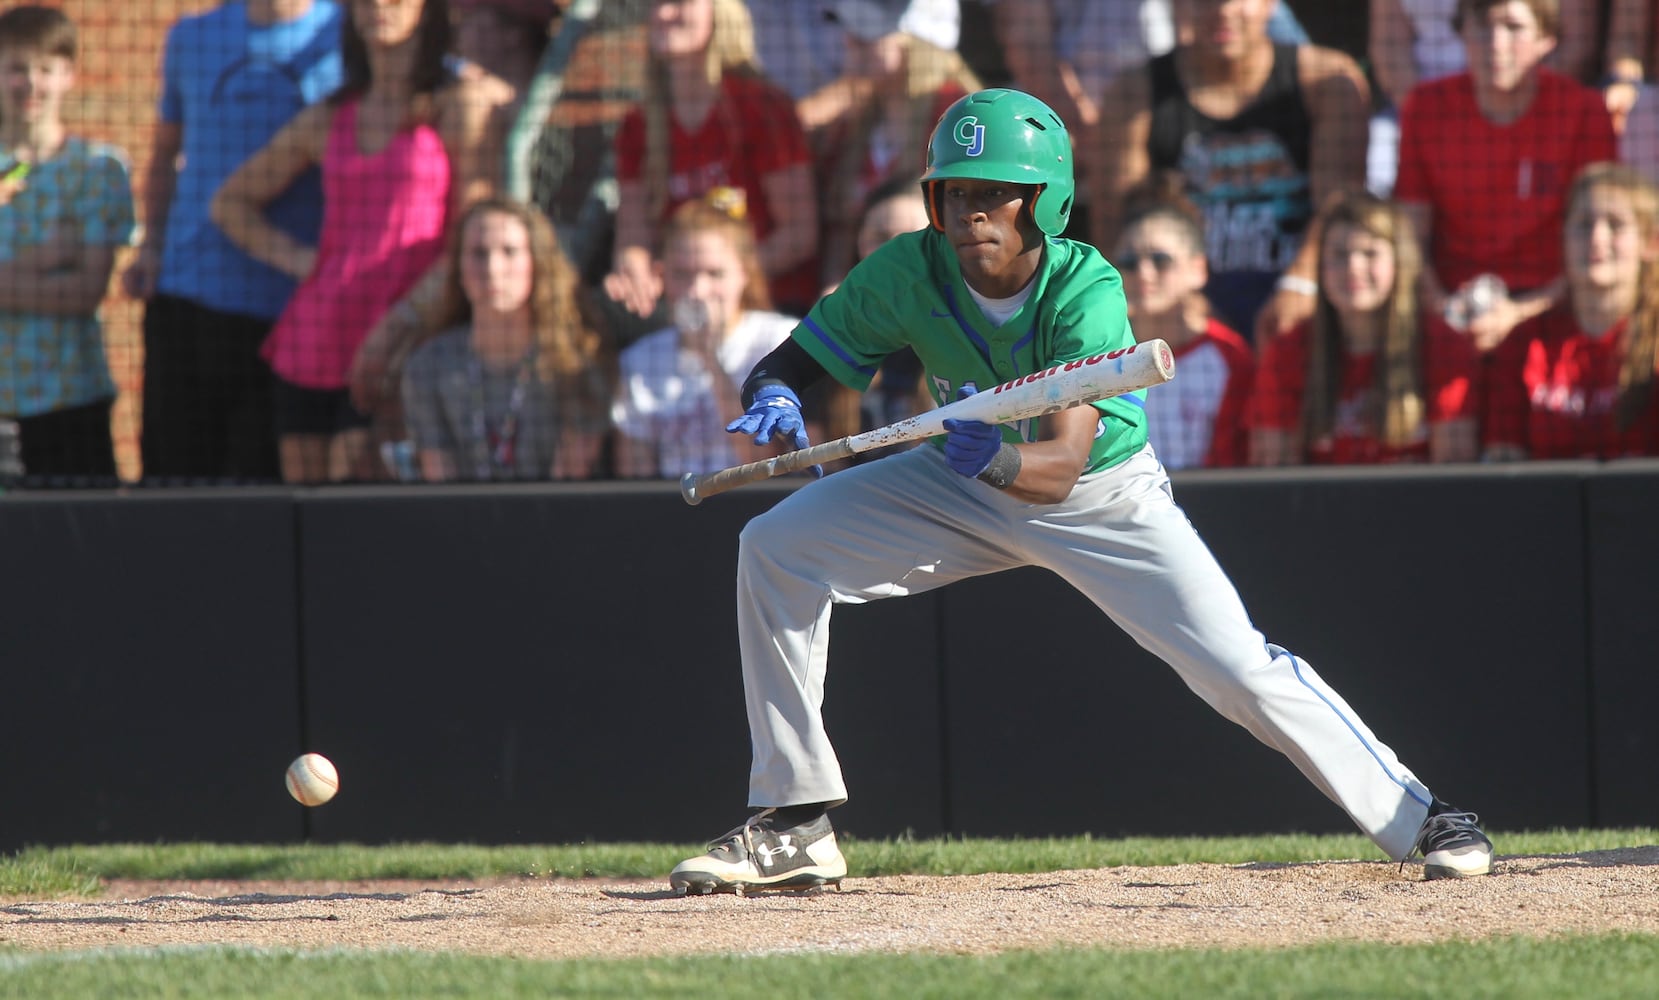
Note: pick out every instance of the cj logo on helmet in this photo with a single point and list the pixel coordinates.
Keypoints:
(971, 135)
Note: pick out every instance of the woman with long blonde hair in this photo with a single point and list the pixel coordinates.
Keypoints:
(709, 119)
(914, 82)
(516, 386)
(1371, 378)
(1578, 381)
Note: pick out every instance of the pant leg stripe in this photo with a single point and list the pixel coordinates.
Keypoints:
(1296, 666)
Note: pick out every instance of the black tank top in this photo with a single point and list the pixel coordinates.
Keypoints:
(1277, 109)
(1249, 173)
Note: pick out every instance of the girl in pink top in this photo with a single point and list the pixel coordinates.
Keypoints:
(383, 227)
(403, 147)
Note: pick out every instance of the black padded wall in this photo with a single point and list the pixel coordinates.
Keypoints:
(543, 665)
(1622, 524)
(148, 648)
(534, 664)
(1449, 617)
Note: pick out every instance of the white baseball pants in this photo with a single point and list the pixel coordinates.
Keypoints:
(908, 523)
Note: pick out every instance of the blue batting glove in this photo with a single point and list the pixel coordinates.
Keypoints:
(775, 409)
(971, 444)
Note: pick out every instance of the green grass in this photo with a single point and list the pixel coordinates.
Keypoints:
(1520, 968)
(1577, 966)
(76, 870)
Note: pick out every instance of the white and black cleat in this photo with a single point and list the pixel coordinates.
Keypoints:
(1453, 844)
(759, 857)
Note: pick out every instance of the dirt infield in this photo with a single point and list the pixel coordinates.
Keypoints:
(1180, 906)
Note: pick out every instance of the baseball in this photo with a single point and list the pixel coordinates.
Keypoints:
(312, 779)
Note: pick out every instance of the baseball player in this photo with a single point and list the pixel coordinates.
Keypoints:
(987, 293)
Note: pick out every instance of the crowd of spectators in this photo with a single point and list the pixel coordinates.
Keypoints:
(1442, 249)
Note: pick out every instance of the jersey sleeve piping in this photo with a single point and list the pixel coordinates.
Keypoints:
(828, 343)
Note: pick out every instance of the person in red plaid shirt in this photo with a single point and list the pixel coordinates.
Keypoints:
(1578, 381)
(1486, 157)
(1372, 378)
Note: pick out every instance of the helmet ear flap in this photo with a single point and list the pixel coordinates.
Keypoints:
(930, 197)
(1051, 222)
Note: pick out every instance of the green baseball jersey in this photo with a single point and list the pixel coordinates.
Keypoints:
(910, 292)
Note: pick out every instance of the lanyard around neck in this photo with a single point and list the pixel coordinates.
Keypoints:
(495, 448)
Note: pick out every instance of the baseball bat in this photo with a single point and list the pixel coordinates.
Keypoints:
(1065, 385)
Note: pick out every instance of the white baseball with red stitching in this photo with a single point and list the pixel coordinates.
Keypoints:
(312, 779)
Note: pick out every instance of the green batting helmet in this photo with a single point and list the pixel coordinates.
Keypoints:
(1004, 135)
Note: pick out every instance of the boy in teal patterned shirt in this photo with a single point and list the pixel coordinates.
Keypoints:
(65, 209)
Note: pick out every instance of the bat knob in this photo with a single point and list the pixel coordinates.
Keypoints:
(1166, 360)
(688, 489)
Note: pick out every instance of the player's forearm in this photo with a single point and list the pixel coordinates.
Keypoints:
(788, 365)
(1048, 470)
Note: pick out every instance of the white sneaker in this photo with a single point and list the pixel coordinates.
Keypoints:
(1452, 844)
(758, 856)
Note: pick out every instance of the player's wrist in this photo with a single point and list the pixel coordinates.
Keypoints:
(1004, 468)
(769, 392)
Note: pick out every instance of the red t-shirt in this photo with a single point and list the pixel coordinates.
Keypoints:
(1498, 192)
(1552, 390)
(751, 132)
(1449, 365)
(1198, 419)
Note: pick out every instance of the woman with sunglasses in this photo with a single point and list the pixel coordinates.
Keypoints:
(1197, 421)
